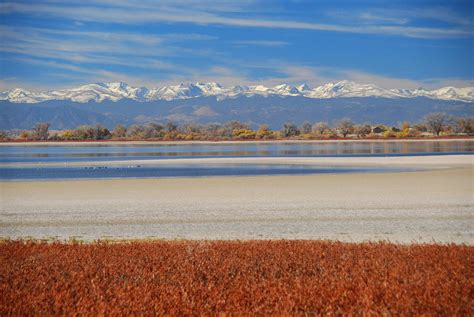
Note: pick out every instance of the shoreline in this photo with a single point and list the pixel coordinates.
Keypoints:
(440, 161)
(210, 142)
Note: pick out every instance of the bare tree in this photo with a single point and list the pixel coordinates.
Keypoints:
(191, 128)
(420, 127)
(320, 128)
(135, 131)
(464, 125)
(289, 129)
(100, 132)
(345, 126)
(213, 130)
(362, 130)
(120, 131)
(85, 132)
(436, 122)
(305, 127)
(231, 126)
(40, 131)
(171, 127)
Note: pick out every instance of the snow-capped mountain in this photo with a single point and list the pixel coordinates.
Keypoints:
(99, 92)
(447, 93)
(350, 89)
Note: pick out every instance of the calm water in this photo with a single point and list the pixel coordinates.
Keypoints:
(12, 155)
(137, 171)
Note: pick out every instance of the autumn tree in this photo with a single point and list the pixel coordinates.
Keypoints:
(405, 125)
(244, 134)
(68, 135)
(25, 135)
(231, 126)
(263, 132)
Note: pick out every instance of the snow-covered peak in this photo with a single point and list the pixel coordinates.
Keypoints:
(210, 89)
(21, 95)
(116, 91)
(99, 92)
(450, 93)
(181, 91)
(347, 88)
(285, 90)
(303, 88)
(445, 93)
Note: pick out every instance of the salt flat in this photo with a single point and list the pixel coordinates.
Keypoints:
(421, 206)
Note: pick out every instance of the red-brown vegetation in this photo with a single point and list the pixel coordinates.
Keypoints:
(256, 277)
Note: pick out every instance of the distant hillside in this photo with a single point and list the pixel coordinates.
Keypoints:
(257, 109)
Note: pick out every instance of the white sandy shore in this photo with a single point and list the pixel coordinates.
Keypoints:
(429, 161)
(105, 143)
(421, 206)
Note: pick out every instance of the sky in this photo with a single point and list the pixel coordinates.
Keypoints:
(393, 44)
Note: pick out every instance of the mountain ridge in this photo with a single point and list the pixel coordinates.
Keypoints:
(115, 91)
(256, 110)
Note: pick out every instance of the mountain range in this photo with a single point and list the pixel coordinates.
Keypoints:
(114, 103)
(100, 92)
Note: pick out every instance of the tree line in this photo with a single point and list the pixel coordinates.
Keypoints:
(433, 124)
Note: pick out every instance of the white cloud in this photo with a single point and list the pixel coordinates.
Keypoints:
(186, 13)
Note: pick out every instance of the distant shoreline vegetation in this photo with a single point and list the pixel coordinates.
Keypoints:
(433, 125)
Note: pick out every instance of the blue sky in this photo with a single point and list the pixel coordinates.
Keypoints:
(394, 44)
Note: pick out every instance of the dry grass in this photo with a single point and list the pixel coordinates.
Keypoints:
(256, 277)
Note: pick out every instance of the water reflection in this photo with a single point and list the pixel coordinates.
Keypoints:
(81, 152)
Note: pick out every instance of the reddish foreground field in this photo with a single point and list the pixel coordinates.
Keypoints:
(257, 277)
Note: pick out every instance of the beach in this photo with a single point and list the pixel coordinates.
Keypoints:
(424, 205)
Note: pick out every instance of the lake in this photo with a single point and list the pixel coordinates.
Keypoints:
(58, 156)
